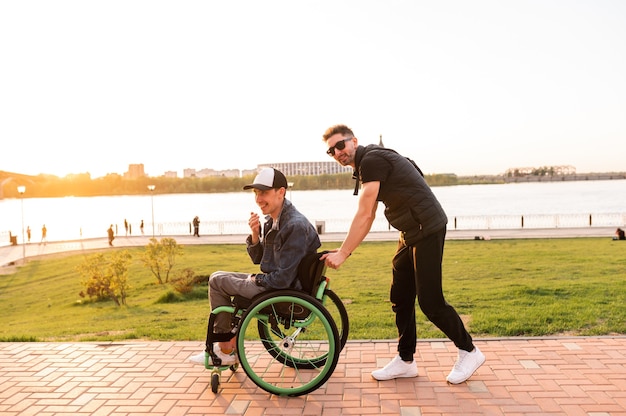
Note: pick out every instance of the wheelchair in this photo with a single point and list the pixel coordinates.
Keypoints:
(288, 341)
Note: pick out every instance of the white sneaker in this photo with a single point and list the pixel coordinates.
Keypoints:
(396, 369)
(227, 359)
(466, 364)
(198, 358)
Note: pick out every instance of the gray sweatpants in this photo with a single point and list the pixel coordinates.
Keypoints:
(222, 287)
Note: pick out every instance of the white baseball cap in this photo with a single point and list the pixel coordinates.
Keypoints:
(268, 178)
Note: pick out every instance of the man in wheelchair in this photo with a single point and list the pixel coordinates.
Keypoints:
(279, 246)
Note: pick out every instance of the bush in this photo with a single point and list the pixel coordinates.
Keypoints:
(169, 297)
(184, 281)
(160, 257)
(106, 278)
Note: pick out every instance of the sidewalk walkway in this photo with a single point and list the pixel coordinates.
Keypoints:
(15, 254)
(536, 376)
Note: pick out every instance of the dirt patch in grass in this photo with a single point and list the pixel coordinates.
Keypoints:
(95, 336)
(9, 269)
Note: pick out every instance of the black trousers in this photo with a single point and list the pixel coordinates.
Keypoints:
(417, 273)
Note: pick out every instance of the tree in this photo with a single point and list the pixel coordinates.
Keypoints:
(160, 257)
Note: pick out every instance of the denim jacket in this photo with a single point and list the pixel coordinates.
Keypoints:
(283, 245)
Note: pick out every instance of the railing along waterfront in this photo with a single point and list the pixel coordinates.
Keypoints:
(341, 225)
(537, 221)
(477, 222)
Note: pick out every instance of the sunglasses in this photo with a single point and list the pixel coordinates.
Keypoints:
(340, 145)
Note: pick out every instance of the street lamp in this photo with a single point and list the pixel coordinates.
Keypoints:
(151, 189)
(21, 189)
(290, 185)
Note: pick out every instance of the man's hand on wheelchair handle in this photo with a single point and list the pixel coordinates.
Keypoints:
(335, 258)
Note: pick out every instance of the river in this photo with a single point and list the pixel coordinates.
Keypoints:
(544, 204)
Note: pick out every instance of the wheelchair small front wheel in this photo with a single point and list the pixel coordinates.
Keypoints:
(296, 345)
(215, 381)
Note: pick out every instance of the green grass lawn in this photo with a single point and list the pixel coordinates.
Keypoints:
(499, 287)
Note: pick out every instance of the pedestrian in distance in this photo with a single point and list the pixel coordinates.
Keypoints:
(44, 235)
(111, 235)
(196, 226)
(278, 246)
(410, 207)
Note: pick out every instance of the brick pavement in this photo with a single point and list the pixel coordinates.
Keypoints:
(522, 376)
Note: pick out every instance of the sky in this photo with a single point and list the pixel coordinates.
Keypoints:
(465, 87)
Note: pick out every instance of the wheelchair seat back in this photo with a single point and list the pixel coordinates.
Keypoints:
(310, 274)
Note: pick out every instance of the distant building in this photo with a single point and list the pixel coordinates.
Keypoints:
(135, 171)
(230, 173)
(249, 172)
(328, 167)
(208, 173)
(171, 174)
(189, 173)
